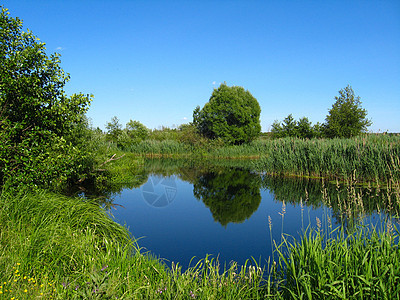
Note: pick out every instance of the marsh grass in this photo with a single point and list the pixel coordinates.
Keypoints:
(164, 148)
(362, 265)
(356, 260)
(368, 157)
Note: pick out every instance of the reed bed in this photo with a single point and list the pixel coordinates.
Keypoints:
(368, 158)
(362, 265)
(155, 148)
(357, 259)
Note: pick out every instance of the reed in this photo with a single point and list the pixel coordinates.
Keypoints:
(362, 265)
(155, 148)
(367, 158)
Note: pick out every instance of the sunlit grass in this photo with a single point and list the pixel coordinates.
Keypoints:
(356, 260)
(362, 265)
(21, 286)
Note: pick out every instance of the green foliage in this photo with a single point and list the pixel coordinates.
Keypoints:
(55, 247)
(304, 128)
(164, 133)
(231, 114)
(37, 119)
(161, 148)
(137, 131)
(318, 130)
(368, 157)
(346, 118)
(189, 134)
(114, 129)
(292, 128)
(134, 133)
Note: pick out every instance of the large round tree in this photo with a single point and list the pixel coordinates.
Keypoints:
(232, 114)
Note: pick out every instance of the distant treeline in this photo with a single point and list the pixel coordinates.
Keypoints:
(367, 157)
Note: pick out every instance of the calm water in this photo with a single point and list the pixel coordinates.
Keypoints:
(223, 212)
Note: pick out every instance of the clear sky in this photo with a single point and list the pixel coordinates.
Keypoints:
(155, 61)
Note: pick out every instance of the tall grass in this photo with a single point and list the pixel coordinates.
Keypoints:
(155, 148)
(53, 246)
(361, 261)
(368, 158)
(361, 265)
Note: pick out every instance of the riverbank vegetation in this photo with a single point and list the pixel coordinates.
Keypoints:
(368, 157)
(61, 247)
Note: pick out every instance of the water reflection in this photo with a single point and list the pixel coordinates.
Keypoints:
(232, 195)
(231, 190)
(224, 210)
(348, 202)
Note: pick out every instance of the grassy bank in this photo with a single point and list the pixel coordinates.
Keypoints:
(56, 247)
(368, 158)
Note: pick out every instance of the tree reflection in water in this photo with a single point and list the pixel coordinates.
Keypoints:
(232, 195)
(231, 190)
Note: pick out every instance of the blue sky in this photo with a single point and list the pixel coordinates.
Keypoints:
(155, 61)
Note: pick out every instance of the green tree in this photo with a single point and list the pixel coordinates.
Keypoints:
(137, 131)
(37, 119)
(318, 130)
(292, 128)
(277, 130)
(232, 114)
(189, 134)
(304, 128)
(289, 126)
(114, 129)
(346, 118)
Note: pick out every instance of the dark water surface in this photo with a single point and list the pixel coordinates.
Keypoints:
(224, 212)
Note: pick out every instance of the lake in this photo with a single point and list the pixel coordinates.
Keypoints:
(181, 213)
